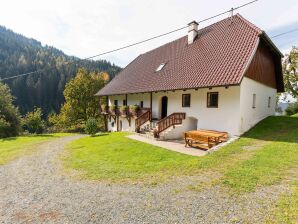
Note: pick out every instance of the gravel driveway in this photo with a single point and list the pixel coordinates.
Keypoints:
(33, 190)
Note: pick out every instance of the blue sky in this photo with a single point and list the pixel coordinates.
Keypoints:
(85, 28)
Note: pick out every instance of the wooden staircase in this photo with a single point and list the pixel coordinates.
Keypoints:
(142, 119)
(169, 121)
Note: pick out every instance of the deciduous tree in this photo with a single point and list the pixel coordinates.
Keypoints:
(290, 70)
(9, 115)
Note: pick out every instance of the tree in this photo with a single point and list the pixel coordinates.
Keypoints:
(80, 102)
(19, 54)
(9, 114)
(290, 70)
(33, 122)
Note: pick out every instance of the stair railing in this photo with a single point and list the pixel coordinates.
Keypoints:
(169, 121)
(142, 119)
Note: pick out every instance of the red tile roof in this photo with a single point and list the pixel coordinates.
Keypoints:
(218, 57)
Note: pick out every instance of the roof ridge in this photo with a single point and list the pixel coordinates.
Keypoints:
(251, 25)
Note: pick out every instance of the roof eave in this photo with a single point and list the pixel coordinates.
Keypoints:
(267, 39)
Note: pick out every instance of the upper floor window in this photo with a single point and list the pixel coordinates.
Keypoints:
(142, 104)
(124, 103)
(254, 99)
(116, 103)
(212, 99)
(185, 100)
(269, 102)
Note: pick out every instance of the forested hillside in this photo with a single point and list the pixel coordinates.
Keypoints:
(19, 54)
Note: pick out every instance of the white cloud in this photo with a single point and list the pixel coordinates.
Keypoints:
(84, 28)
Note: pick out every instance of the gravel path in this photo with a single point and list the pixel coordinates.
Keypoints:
(33, 190)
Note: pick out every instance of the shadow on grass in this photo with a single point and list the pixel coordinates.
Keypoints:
(100, 134)
(32, 136)
(275, 128)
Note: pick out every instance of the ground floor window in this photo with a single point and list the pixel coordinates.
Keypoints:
(212, 99)
(185, 100)
(116, 103)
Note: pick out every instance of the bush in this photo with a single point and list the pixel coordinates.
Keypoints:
(33, 122)
(292, 109)
(91, 126)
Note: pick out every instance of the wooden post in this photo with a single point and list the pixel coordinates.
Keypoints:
(117, 120)
(150, 106)
(106, 116)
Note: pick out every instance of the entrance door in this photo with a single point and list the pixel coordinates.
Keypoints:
(164, 107)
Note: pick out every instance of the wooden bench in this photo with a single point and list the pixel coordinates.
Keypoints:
(201, 141)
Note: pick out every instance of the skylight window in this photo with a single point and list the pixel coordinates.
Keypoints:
(160, 67)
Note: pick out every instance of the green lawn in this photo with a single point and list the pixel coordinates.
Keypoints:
(261, 157)
(11, 148)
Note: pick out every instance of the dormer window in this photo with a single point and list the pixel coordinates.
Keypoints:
(160, 67)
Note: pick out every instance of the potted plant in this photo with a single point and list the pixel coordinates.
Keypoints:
(104, 108)
(113, 109)
(123, 109)
(134, 109)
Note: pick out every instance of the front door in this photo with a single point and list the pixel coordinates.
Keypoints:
(164, 107)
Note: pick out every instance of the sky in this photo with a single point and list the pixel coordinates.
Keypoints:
(86, 28)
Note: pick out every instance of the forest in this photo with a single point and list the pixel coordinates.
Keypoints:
(44, 89)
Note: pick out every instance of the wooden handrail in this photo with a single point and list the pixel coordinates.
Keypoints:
(142, 119)
(171, 120)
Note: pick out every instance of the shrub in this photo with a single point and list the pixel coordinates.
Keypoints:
(91, 126)
(33, 122)
(292, 108)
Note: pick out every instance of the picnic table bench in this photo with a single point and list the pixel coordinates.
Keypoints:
(204, 139)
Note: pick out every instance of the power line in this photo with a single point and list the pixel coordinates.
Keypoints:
(140, 42)
(281, 34)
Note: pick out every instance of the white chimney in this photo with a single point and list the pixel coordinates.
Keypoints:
(192, 31)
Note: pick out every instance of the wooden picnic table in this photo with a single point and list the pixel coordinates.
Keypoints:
(204, 138)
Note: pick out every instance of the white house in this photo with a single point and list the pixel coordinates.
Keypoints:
(222, 77)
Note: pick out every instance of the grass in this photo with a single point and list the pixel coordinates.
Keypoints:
(274, 150)
(271, 161)
(12, 148)
(113, 156)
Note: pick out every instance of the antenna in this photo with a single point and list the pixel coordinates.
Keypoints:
(231, 15)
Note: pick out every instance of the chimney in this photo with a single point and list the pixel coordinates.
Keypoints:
(192, 31)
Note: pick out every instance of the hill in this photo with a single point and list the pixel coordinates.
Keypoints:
(19, 54)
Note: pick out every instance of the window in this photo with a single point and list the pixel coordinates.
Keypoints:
(116, 103)
(212, 99)
(185, 100)
(160, 67)
(124, 103)
(112, 124)
(141, 104)
(269, 102)
(254, 98)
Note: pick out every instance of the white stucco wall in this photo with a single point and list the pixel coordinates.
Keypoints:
(234, 113)
(224, 118)
(250, 116)
(177, 133)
